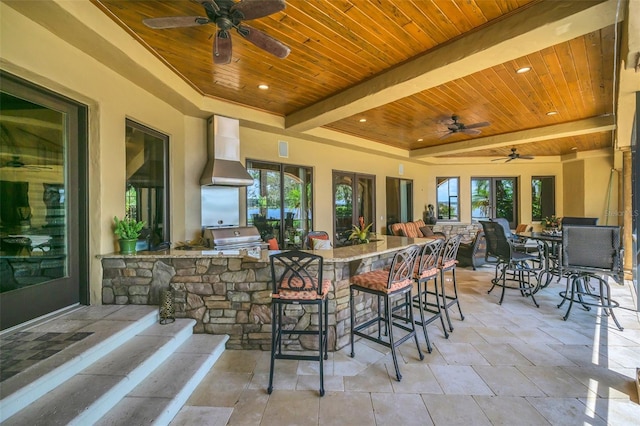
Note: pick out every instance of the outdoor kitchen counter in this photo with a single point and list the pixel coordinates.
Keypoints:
(231, 294)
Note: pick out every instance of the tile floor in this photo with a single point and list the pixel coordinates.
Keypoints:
(21, 350)
(503, 365)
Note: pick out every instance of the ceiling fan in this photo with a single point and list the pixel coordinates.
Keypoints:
(455, 126)
(16, 163)
(227, 14)
(514, 156)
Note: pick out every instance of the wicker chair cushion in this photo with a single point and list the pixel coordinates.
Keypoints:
(296, 288)
(378, 281)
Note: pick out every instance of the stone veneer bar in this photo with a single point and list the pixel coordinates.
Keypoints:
(231, 294)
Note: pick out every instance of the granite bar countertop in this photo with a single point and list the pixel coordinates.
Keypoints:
(380, 245)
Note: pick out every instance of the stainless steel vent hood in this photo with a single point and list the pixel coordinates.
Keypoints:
(223, 147)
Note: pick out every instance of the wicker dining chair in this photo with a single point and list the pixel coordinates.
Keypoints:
(591, 253)
(514, 269)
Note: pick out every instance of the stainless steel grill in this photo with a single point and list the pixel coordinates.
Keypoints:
(233, 238)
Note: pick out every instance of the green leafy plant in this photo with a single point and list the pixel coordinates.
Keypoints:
(360, 233)
(551, 222)
(128, 228)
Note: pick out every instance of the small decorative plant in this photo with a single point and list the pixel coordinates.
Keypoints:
(551, 221)
(128, 228)
(360, 234)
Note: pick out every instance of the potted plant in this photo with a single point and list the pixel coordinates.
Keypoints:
(552, 222)
(360, 234)
(127, 230)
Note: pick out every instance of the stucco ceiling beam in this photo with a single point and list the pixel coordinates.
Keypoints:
(537, 27)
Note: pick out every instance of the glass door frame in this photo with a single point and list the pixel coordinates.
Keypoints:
(20, 305)
(492, 206)
(356, 211)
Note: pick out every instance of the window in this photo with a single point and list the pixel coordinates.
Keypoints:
(447, 198)
(147, 196)
(543, 197)
(353, 196)
(494, 197)
(279, 203)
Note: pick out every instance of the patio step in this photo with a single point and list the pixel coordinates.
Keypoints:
(160, 396)
(23, 389)
(143, 377)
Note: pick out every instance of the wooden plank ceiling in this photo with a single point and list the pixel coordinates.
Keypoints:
(340, 46)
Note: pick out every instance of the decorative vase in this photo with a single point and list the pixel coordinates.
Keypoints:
(429, 216)
(128, 246)
(167, 310)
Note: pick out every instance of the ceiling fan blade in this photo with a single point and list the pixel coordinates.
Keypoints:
(500, 159)
(470, 131)
(477, 125)
(210, 4)
(264, 41)
(510, 159)
(175, 22)
(446, 135)
(526, 157)
(222, 48)
(254, 9)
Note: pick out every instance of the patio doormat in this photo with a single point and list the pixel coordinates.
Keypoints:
(21, 350)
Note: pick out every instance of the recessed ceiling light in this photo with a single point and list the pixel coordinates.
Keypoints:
(420, 140)
(523, 70)
(575, 148)
(263, 86)
(363, 120)
(552, 112)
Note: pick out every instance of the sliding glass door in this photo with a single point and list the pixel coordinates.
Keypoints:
(42, 190)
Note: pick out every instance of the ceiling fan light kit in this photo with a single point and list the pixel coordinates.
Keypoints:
(225, 15)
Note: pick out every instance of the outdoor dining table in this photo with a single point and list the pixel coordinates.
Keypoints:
(552, 244)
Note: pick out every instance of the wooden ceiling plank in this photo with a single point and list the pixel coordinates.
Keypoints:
(535, 26)
(581, 127)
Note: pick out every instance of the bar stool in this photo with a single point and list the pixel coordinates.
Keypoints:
(426, 270)
(297, 280)
(390, 287)
(448, 263)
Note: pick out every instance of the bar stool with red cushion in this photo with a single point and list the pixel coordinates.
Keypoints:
(448, 263)
(297, 280)
(392, 286)
(429, 301)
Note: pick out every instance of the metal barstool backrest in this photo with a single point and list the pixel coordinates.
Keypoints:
(591, 248)
(450, 249)
(497, 243)
(296, 271)
(402, 265)
(429, 256)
